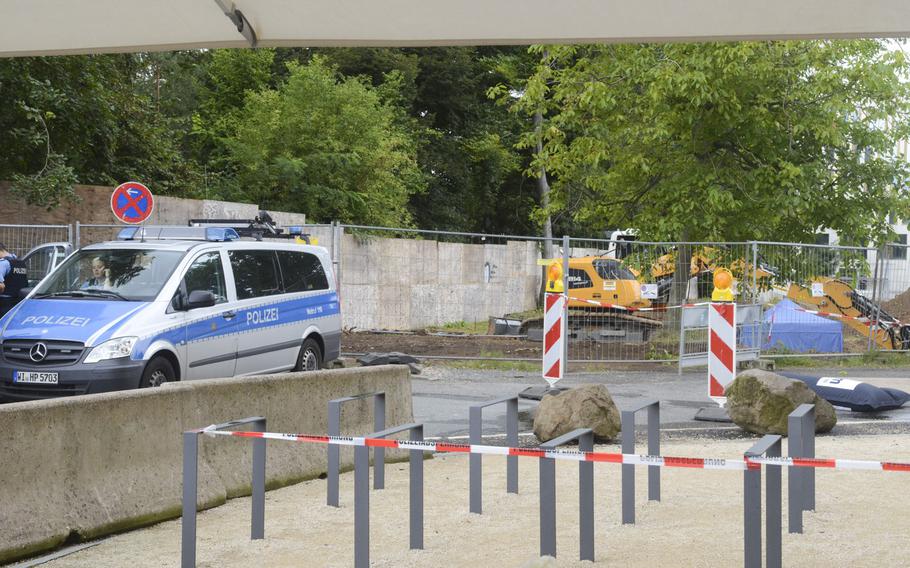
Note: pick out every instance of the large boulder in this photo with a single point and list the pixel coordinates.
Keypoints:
(588, 406)
(760, 401)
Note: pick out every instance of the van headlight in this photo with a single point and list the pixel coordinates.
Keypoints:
(112, 349)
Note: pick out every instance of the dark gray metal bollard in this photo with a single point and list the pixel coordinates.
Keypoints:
(190, 486)
(628, 447)
(415, 467)
(190, 483)
(585, 439)
(476, 460)
(800, 480)
(361, 507)
(362, 494)
(768, 446)
(334, 452)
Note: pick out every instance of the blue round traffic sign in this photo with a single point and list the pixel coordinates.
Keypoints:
(132, 202)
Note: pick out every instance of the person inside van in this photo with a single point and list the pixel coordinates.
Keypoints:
(101, 275)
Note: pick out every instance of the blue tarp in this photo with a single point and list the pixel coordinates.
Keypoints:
(794, 330)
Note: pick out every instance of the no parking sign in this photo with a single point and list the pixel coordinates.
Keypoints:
(132, 202)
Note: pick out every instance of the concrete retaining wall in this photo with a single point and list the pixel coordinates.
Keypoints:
(86, 466)
(411, 283)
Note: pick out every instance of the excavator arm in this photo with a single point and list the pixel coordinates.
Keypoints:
(841, 298)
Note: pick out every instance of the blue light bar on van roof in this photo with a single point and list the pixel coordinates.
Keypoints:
(221, 234)
(215, 234)
(127, 233)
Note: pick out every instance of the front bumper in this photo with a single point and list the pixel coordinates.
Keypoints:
(75, 379)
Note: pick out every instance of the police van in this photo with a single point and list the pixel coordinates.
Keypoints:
(170, 303)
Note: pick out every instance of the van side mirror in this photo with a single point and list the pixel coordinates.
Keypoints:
(200, 299)
(23, 292)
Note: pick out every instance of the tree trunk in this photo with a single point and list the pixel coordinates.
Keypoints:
(543, 190)
(679, 289)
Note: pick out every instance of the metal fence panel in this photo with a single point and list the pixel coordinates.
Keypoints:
(471, 295)
(19, 239)
(835, 280)
(891, 293)
(93, 233)
(626, 298)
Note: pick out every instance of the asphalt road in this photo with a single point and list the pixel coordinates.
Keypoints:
(443, 395)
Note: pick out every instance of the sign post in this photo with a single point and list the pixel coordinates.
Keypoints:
(721, 349)
(554, 325)
(132, 203)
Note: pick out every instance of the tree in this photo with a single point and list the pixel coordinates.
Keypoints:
(85, 118)
(326, 145)
(770, 140)
(465, 141)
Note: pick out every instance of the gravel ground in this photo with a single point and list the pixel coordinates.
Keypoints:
(861, 519)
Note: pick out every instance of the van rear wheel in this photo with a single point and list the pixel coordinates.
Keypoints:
(156, 373)
(310, 357)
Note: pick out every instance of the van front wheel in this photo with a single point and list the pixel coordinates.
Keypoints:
(310, 357)
(157, 372)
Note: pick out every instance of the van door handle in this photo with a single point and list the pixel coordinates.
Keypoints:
(229, 315)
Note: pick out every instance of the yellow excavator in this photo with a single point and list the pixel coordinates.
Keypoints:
(596, 280)
(840, 298)
(607, 281)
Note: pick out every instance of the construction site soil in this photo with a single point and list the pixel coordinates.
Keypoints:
(899, 306)
(457, 345)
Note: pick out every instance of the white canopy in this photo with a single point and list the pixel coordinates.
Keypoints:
(51, 27)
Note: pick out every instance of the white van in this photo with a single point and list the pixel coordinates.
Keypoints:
(170, 303)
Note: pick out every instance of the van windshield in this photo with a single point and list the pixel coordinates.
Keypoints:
(133, 275)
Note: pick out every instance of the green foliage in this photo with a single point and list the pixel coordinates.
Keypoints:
(326, 145)
(101, 126)
(228, 76)
(50, 187)
(868, 360)
(736, 141)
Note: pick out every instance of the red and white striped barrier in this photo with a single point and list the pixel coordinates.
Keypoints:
(572, 455)
(554, 337)
(721, 349)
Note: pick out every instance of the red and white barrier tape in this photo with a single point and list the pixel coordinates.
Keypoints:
(570, 455)
(864, 320)
(633, 309)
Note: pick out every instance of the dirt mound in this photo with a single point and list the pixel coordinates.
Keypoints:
(899, 306)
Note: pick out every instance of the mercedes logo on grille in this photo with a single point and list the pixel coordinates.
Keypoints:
(38, 352)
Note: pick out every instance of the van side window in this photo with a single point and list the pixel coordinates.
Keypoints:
(302, 271)
(206, 273)
(255, 273)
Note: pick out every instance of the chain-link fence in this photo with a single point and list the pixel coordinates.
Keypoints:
(19, 239)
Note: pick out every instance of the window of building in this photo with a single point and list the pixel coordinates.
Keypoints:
(897, 252)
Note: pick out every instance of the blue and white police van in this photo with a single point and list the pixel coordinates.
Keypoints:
(170, 303)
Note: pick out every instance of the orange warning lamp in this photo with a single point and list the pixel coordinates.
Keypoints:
(554, 277)
(723, 282)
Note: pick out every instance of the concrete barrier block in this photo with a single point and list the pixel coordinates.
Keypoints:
(80, 467)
